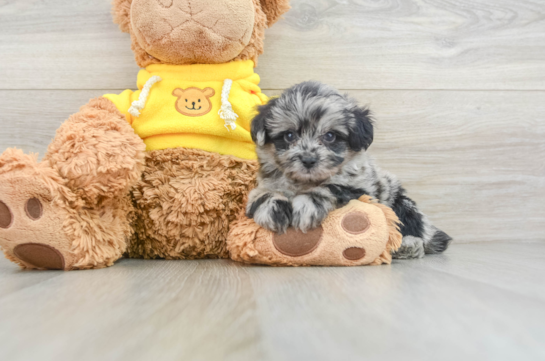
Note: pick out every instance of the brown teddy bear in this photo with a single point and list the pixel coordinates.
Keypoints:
(164, 171)
(138, 173)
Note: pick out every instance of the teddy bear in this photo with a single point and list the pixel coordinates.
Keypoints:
(141, 173)
(164, 171)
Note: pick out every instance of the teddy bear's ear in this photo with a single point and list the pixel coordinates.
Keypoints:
(121, 11)
(274, 9)
(209, 92)
(178, 92)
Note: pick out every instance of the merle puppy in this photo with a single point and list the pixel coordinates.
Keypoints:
(311, 144)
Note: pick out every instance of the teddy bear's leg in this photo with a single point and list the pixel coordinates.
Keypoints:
(186, 202)
(70, 211)
(362, 232)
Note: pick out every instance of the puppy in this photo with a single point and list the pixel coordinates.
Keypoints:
(311, 143)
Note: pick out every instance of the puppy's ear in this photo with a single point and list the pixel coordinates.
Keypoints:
(274, 9)
(259, 123)
(361, 134)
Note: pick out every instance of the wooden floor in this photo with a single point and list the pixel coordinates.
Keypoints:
(478, 301)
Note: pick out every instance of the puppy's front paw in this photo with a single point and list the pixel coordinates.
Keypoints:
(271, 212)
(308, 213)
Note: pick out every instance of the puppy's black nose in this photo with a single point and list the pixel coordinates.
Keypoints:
(309, 161)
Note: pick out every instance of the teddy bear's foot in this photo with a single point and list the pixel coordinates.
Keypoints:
(31, 222)
(362, 232)
(43, 225)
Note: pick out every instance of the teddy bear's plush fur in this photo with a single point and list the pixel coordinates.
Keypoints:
(99, 193)
(186, 201)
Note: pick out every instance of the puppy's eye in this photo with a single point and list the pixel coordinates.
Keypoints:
(199, 100)
(329, 137)
(289, 137)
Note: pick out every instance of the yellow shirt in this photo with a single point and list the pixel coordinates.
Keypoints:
(181, 108)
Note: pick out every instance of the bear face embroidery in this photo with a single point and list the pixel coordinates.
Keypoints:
(193, 102)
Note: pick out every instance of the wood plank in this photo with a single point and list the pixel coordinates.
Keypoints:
(473, 160)
(409, 44)
(356, 44)
(497, 265)
(409, 311)
(63, 44)
(29, 118)
(447, 307)
(17, 280)
(187, 308)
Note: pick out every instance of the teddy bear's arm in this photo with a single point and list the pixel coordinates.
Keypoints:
(97, 152)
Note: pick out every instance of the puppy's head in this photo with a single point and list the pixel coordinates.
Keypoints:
(310, 132)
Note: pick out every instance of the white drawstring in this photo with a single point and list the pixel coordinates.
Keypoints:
(226, 112)
(139, 104)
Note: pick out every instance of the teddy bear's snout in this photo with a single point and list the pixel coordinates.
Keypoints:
(170, 30)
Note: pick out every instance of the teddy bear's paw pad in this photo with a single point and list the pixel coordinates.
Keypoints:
(34, 209)
(355, 223)
(295, 243)
(354, 253)
(6, 217)
(40, 256)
